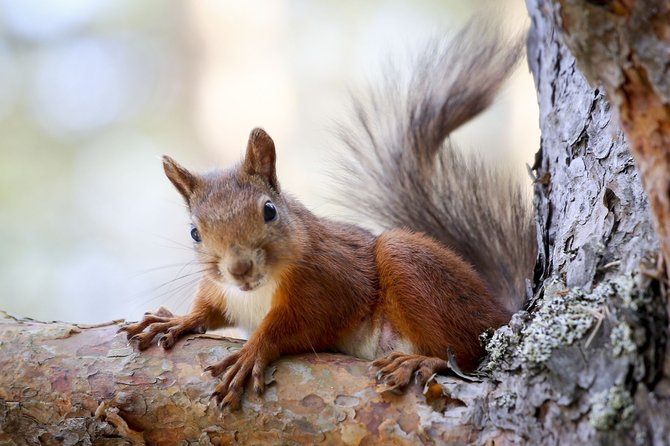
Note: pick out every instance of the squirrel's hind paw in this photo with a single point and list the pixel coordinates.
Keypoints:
(396, 370)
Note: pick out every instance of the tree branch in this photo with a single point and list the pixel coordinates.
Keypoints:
(63, 384)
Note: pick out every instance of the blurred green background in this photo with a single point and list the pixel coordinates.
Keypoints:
(92, 92)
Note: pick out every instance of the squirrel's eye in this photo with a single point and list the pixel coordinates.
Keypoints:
(195, 234)
(269, 211)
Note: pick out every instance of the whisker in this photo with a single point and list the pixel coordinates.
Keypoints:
(179, 276)
(171, 292)
(175, 279)
(180, 287)
(164, 267)
(174, 242)
(190, 247)
(313, 349)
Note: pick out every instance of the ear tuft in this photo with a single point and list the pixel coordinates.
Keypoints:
(181, 178)
(261, 157)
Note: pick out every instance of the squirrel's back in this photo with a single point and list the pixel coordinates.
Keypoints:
(405, 172)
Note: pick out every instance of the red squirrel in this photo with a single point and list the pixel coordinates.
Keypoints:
(451, 264)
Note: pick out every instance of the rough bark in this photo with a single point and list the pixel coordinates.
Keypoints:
(583, 365)
(625, 46)
(64, 384)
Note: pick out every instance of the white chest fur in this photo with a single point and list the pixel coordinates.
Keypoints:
(248, 308)
(373, 340)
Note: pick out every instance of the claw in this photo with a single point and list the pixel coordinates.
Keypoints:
(453, 365)
(237, 369)
(383, 388)
(224, 402)
(400, 368)
(258, 389)
(162, 326)
(218, 399)
(212, 370)
(418, 377)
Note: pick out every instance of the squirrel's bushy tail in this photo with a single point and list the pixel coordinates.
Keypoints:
(404, 172)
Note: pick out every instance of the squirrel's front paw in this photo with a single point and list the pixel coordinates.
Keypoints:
(240, 366)
(161, 322)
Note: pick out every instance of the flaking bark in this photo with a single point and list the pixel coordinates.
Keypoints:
(625, 47)
(63, 384)
(585, 364)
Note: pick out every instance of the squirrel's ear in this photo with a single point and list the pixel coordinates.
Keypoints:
(260, 158)
(182, 179)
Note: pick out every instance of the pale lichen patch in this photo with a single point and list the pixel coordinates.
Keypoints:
(501, 343)
(622, 341)
(612, 408)
(563, 317)
(505, 400)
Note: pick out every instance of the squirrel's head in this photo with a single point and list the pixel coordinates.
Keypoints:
(241, 226)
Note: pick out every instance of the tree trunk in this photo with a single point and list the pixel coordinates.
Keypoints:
(586, 363)
(625, 45)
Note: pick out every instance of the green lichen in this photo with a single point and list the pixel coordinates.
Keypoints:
(506, 400)
(621, 339)
(629, 294)
(612, 408)
(563, 317)
(502, 344)
(498, 346)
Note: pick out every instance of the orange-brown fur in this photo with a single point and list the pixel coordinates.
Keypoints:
(433, 297)
(302, 283)
(331, 277)
(325, 292)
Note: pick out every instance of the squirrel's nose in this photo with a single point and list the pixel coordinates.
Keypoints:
(240, 268)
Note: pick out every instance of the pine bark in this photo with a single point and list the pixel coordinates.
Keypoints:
(625, 47)
(65, 384)
(586, 363)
